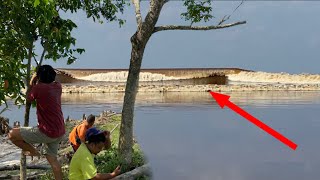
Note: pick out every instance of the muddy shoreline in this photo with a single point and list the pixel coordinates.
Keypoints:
(71, 88)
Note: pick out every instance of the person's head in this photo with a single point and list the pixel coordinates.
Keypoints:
(90, 120)
(46, 74)
(95, 140)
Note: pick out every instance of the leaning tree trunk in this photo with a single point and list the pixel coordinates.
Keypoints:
(139, 41)
(23, 160)
(126, 128)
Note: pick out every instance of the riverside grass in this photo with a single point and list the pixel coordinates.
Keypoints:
(106, 161)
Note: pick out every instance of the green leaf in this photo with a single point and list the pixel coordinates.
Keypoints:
(36, 3)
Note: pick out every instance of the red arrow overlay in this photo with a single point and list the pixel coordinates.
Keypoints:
(223, 100)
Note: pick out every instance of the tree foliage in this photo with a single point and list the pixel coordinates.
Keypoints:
(24, 23)
(197, 11)
(96, 9)
(11, 75)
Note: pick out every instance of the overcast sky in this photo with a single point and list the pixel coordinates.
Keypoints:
(278, 37)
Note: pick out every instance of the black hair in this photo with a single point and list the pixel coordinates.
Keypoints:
(46, 74)
(91, 118)
(96, 139)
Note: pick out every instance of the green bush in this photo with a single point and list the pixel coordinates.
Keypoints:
(108, 160)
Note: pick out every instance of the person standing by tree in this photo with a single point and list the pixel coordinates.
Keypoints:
(50, 129)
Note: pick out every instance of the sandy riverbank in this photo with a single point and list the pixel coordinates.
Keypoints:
(10, 154)
(191, 88)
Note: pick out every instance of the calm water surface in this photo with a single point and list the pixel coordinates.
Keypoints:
(187, 135)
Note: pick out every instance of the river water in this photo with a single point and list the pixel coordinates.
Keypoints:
(188, 136)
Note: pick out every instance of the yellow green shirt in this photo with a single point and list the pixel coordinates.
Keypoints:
(82, 164)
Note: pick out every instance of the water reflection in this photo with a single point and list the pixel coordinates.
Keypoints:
(255, 98)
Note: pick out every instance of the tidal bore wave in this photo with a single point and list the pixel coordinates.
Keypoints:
(180, 76)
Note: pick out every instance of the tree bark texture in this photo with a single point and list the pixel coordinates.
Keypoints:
(138, 172)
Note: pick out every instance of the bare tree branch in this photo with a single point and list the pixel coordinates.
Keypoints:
(238, 6)
(43, 52)
(17, 166)
(42, 57)
(225, 18)
(35, 60)
(31, 175)
(5, 108)
(136, 4)
(201, 28)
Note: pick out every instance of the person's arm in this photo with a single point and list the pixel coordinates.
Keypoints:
(31, 95)
(101, 176)
(34, 80)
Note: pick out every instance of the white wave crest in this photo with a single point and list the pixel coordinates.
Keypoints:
(282, 78)
(122, 77)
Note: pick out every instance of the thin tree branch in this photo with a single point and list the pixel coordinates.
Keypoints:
(225, 18)
(32, 175)
(43, 52)
(136, 4)
(35, 60)
(5, 108)
(115, 127)
(238, 6)
(42, 57)
(201, 28)
(17, 166)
